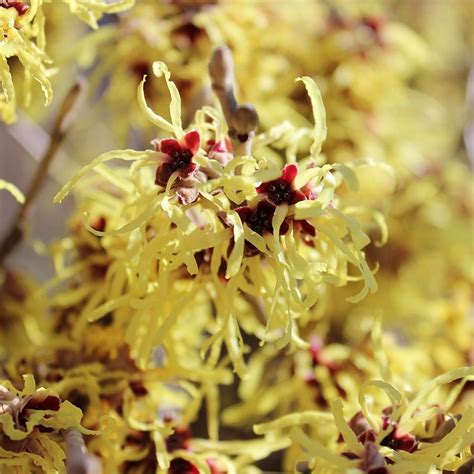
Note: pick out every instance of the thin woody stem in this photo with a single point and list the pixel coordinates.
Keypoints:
(242, 120)
(63, 122)
(78, 460)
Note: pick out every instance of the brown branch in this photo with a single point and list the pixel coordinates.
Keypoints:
(242, 120)
(78, 461)
(62, 124)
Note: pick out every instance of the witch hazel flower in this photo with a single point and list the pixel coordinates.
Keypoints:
(407, 436)
(282, 190)
(230, 223)
(35, 425)
(395, 439)
(370, 459)
(260, 220)
(177, 157)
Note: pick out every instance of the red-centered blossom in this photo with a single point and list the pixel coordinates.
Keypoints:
(180, 440)
(372, 462)
(178, 157)
(20, 7)
(400, 441)
(259, 219)
(282, 190)
(38, 401)
(396, 439)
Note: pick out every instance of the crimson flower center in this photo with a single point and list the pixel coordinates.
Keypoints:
(260, 221)
(182, 159)
(280, 191)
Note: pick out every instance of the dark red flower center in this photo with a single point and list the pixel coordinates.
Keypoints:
(396, 440)
(406, 442)
(182, 159)
(260, 220)
(279, 191)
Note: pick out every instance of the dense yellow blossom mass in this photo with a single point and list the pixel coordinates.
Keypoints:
(22, 27)
(273, 269)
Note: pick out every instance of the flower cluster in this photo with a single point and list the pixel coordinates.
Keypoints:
(250, 292)
(217, 217)
(32, 421)
(409, 435)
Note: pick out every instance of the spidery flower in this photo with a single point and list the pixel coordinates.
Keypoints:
(218, 218)
(31, 422)
(411, 435)
(178, 157)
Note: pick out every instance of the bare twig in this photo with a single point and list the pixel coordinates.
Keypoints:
(78, 460)
(242, 120)
(63, 122)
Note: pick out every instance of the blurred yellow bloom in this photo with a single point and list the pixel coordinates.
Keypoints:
(22, 28)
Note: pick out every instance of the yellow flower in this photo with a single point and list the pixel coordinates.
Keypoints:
(31, 423)
(166, 250)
